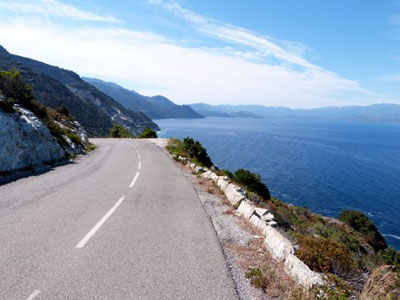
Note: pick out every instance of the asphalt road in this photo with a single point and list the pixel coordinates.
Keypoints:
(120, 223)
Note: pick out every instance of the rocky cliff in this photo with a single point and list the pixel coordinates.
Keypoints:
(55, 87)
(32, 134)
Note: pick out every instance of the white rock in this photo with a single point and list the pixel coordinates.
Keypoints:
(206, 174)
(198, 169)
(25, 142)
(267, 217)
(261, 211)
(246, 209)
(260, 224)
(222, 183)
(279, 246)
(192, 165)
(301, 272)
(234, 194)
(272, 223)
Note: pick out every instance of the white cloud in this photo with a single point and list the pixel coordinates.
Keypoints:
(258, 72)
(56, 9)
(227, 32)
(186, 75)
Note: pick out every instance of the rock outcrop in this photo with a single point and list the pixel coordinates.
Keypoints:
(26, 142)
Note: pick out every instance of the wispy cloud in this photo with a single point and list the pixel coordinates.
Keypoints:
(55, 9)
(266, 46)
(249, 68)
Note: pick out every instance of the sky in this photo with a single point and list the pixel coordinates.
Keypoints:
(298, 54)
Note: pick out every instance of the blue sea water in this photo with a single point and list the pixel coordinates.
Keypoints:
(326, 166)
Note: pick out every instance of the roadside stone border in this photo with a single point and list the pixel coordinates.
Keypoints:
(278, 245)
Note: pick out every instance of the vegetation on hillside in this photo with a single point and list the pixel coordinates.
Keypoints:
(148, 133)
(119, 131)
(343, 249)
(15, 91)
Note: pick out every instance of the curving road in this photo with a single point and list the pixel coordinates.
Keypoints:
(120, 223)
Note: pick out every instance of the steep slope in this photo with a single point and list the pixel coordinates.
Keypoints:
(157, 107)
(31, 133)
(54, 87)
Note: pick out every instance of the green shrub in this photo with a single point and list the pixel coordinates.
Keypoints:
(90, 147)
(389, 256)
(148, 133)
(119, 131)
(74, 138)
(252, 182)
(13, 86)
(325, 255)
(195, 150)
(360, 222)
(63, 110)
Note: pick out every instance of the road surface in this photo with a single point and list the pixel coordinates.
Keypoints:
(120, 223)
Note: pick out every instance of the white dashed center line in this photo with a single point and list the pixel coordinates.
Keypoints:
(134, 180)
(87, 237)
(33, 295)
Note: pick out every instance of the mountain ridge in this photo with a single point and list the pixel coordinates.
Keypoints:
(380, 112)
(54, 86)
(157, 107)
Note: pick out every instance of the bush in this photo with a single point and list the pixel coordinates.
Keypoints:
(74, 138)
(13, 86)
(119, 131)
(389, 256)
(195, 150)
(148, 133)
(252, 182)
(63, 110)
(360, 222)
(325, 255)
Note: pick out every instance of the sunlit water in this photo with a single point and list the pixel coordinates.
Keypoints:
(326, 166)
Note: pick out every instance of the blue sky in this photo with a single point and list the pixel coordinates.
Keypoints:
(278, 53)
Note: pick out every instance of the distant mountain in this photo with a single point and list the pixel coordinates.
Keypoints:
(370, 113)
(157, 107)
(55, 87)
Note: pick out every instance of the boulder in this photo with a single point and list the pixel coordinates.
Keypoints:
(300, 272)
(206, 174)
(26, 142)
(260, 224)
(234, 194)
(261, 211)
(222, 183)
(246, 209)
(278, 245)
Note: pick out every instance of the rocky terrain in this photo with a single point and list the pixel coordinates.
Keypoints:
(56, 87)
(32, 134)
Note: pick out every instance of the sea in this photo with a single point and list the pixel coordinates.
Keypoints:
(326, 166)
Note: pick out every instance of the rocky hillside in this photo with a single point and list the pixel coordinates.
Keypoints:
(157, 107)
(31, 133)
(56, 87)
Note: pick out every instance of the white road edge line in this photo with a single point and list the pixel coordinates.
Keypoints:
(33, 295)
(140, 165)
(134, 180)
(96, 227)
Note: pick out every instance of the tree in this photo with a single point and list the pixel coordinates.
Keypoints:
(119, 131)
(197, 151)
(252, 182)
(148, 133)
(360, 222)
